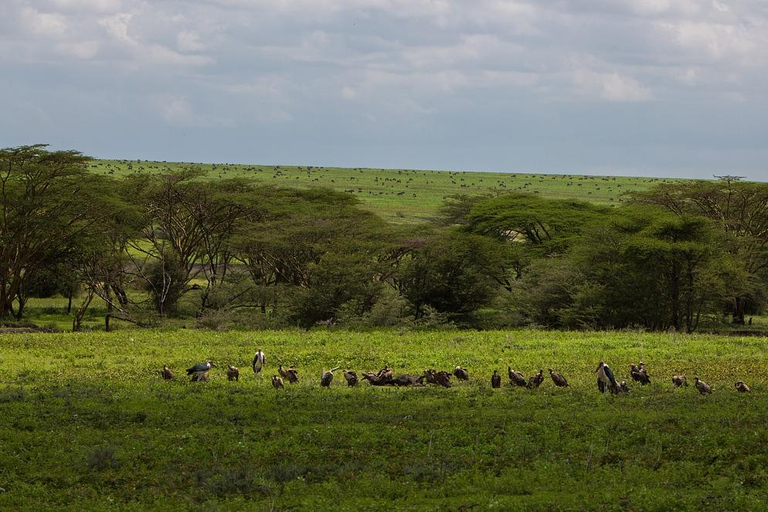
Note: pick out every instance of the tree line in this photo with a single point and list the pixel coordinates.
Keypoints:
(232, 253)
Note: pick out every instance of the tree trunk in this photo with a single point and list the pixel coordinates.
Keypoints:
(738, 311)
(69, 301)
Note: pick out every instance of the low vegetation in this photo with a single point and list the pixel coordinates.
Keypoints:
(89, 424)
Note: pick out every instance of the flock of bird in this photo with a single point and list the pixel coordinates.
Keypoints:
(606, 381)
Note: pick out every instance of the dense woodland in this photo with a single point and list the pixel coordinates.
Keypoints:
(234, 253)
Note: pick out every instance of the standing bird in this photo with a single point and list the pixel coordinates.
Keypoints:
(536, 380)
(605, 379)
(351, 378)
(495, 379)
(743, 388)
(516, 378)
(461, 373)
(290, 374)
(233, 373)
(277, 382)
(258, 362)
(327, 376)
(199, 372)
(166, 373)
(679, 380)
(639, 374)
(558, 379)
(702, 386)
(623, 387)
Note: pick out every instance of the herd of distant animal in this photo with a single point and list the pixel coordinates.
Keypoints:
(606, 381)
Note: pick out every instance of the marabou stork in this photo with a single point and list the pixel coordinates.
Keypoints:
(605, 379)
(199, 372)
(258, 362)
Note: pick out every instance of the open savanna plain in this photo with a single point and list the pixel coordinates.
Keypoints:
(88, 424)
(402, 195)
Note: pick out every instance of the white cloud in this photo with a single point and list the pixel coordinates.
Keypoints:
(189, 41)
(611, 86)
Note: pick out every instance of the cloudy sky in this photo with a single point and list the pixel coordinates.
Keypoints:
(634, 87)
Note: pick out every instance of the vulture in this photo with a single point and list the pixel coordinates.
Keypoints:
(381, 378)
(233, 373)
(327, 377)
(516, 378)
(408, 380)
(679, 380)
(702, 386)
(536, 380)
(558, 379)
(461, 373)
(623, 387)
(166, 373)
(639, 374)
(743, 388)
(495, 379)
(605, 379)
(277, 382)
(429, 376)
(351, 378)
(258, 362)
(199, 372)
(290, 374)
(443, 379)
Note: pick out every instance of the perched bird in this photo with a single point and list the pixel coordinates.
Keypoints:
(199, 372)
(639, 374)
(605, 379)
(351, 378)
(461, 373)
(516, 378)
(233, 373)
(536, 380)
(495, 379)
(258, 362)
(679, 380)
(702, 386)
(290, 374)
(277, 382)
(327, 376)
(558, 379)
(166, 373)
(743, 388)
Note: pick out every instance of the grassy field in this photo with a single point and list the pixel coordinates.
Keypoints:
(89, 425)
(402, 195)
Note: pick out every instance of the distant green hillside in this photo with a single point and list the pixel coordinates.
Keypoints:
(402, 195)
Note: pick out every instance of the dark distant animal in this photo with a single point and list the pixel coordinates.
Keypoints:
(679, 380)
(558, 379)
(516, 378)
(289, 374)
(639, 374)
(166, 373)
(233, 373)
(199, 372)
(605, 379)
(408, 380)
(258, 362)
(495, 379)
(277, 382)
(461, 373)
(326, 377)
(351, 378)
(623, 387)
(702, 386)
(429, 376)
(743, 388)
(381, 378)
(536, 380)
(443, 379)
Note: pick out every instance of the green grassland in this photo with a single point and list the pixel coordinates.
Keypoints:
(87, 424)
(402, 195)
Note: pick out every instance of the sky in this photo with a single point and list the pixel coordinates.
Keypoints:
(673, 88)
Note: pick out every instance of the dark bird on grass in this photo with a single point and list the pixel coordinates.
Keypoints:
(258, 362)
(351, 378)
(623, 387)
(558, 379)
(743, 388)
(233, 373)
(702, 386)
(605, 379)
(277, 382)
(443, 379)
(516, 378)
(199, 372)
(429, 376)
(536, 380)
(495, 379)
(166, 373)
(679, 380)
(289, 374)
(461, 373)
(639, 374)
(327, 377)
(408, 380)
